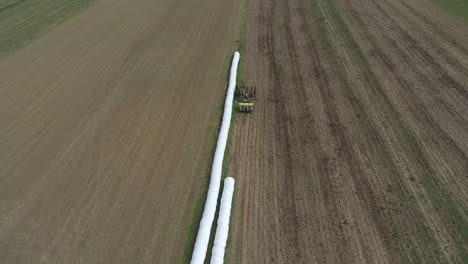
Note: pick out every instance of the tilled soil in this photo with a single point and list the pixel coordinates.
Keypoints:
(107, 126)
(357, 151)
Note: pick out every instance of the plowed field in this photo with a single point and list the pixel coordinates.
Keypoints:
(357, 151)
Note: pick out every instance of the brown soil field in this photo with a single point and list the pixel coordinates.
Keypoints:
(107, 126)
(357, 151)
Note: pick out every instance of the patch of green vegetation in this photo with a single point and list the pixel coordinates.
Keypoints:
(239, 82)
(448, 208)
(5, 4)
(194, 223)
(213, 131)
(241, 44)
(439, 197)
(241, 72)
(457, 8)
(220, 110)
(237, 247)
(200, 198)
(23, 20)
(214, 226)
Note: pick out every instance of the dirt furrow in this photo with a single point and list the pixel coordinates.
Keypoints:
(347, 121)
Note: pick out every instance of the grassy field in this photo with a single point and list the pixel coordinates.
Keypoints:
(23, 20)
(216, 120)
(458, 8)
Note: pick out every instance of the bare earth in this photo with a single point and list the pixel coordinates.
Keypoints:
(107, 126)
(357, 151)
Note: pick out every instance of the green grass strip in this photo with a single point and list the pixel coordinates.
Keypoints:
(457, 8)
(21, 21)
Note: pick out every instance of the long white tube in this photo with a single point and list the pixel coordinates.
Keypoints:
(203, 236)
(222, 231)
